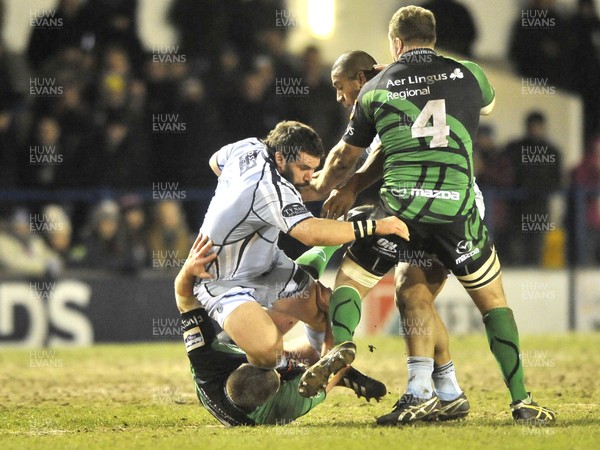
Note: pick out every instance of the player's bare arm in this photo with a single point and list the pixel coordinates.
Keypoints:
(338, 167)
(194, 267)
(342, 199)
(315, 231)
(214, 165)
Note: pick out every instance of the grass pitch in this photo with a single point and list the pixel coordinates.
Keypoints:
(142, 396)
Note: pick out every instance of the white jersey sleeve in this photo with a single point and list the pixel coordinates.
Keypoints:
(279, 204)
(223, 155)
(363, 157)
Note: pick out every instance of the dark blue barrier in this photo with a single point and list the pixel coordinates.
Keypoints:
(83, 308)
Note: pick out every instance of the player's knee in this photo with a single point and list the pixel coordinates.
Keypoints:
(344, 280)
(411, 299)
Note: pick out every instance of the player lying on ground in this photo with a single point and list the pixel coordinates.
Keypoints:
(255, 199)
(233, 391)
(428, 182)
(368, 259)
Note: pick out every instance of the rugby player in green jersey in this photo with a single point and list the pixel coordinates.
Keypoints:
(425, 109)
(368, 259)
(233, 391)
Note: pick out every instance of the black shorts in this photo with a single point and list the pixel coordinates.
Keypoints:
(463, 247)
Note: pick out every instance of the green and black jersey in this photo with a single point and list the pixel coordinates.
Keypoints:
(425, 108)
(212, 362)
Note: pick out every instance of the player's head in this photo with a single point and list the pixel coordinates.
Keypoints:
(250, 386)
(536, 125)
(411, 27)
(349, 74)
(297, 151)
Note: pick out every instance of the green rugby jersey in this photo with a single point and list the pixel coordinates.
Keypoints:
(425, 108)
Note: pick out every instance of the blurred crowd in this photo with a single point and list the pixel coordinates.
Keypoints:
(101, 112)
(88, 107)
(520, 180)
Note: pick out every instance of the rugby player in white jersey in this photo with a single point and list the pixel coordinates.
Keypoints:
(255, 199)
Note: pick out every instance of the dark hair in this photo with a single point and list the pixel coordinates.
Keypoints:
(250, 386)
(414, 25)
(535, 117)
(290, 138)
(350, 63)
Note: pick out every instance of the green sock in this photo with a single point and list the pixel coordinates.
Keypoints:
(344, 311)
(315, 260)
(503, 337)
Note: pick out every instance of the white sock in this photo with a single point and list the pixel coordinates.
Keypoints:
(420, 369)
(316, 338)
(281, 363)
(445, 382)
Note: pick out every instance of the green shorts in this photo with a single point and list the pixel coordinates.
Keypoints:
(463, 247)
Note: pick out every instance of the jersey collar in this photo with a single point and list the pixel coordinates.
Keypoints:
(406, 57)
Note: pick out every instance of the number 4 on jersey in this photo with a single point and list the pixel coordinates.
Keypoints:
(439, 131)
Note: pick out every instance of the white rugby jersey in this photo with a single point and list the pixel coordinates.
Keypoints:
(252, 203)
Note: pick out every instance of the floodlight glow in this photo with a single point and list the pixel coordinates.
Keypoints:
(321, 18)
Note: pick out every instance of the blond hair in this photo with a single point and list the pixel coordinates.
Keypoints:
(413, 25)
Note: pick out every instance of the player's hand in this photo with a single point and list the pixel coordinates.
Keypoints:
(392, 225)
(322, 294)
(338, 204)
(199, 257)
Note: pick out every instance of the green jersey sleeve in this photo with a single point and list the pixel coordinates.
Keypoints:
(484, 84)
(286, 405)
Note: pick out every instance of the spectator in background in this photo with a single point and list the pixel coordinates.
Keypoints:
(538, 167)
(587, 176)
(74, 117)
(42, 157)
(254, 107)
(315, 106)
(456, 31)
(494, 173)
(272, 43)
(584, 49)
(537, 45)
(169, 238)
(162, 120)
(59, 230)
(114, 82)
(104, 246)
(206, 28)
(9, 100)
(135, 231)
(161, 87)
(190, 150)
(115, 157)
(65, 29)
(69, 67)
(9, 163)
(225, 73)
(24, 253)
(113, 23)
(202, 28)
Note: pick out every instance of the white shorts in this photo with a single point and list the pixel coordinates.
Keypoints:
(285, 280)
